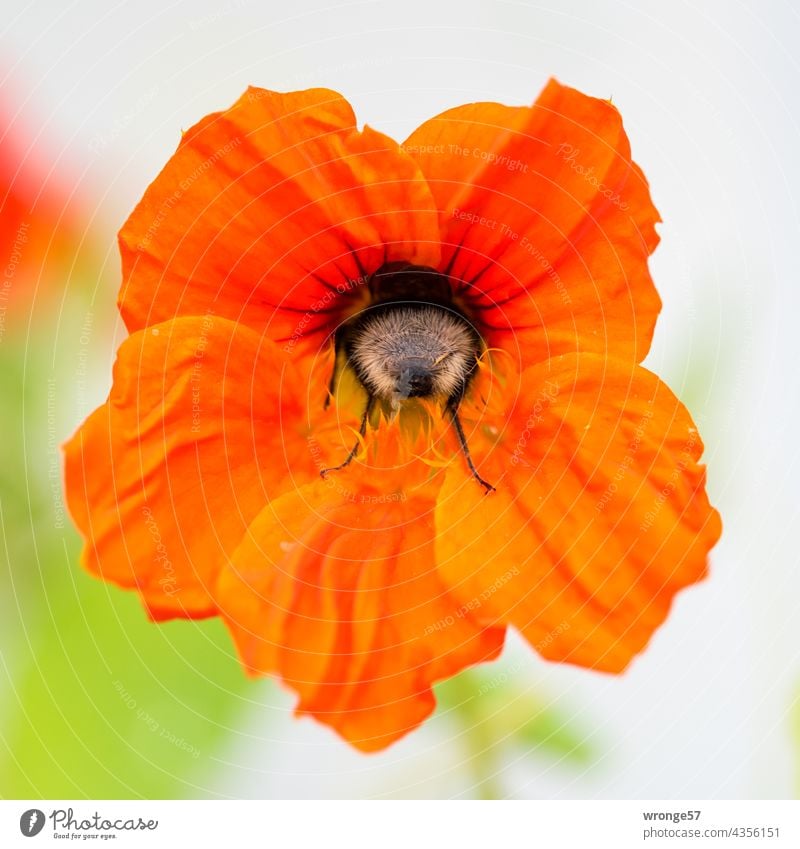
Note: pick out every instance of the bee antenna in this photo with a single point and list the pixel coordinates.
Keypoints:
(462, 441)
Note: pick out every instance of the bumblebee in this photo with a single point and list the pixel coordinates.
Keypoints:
(411, 342)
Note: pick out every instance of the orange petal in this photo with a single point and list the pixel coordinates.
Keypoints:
(599, 518)
(273, 203)
(335, 589)
(547, 221)
(204, 422)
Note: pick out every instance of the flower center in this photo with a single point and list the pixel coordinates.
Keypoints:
(412, 350)
(411, 342)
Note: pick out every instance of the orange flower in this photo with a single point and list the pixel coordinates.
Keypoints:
(478, 301)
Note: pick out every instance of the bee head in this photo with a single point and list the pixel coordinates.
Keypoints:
(411, 342)
(402, 350)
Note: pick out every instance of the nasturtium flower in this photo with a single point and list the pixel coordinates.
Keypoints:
(382, 401)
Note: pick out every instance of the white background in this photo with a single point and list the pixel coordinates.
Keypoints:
(709, 95)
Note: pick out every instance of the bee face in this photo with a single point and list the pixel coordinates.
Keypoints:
(402, 350)
(411, 343)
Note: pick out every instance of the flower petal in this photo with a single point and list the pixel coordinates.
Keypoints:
(204, 422)
(270, 204)
(336, 591)
(599, 518)
(547, 221)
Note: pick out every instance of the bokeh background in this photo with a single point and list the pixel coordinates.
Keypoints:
(97, 702)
